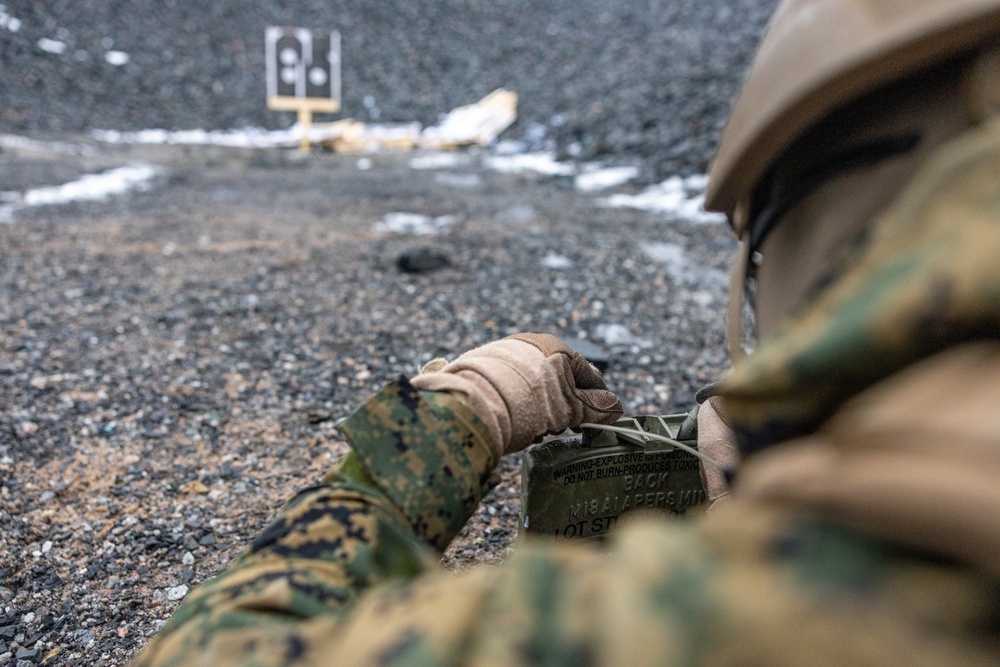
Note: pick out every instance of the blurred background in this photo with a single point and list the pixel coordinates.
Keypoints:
(650, 79)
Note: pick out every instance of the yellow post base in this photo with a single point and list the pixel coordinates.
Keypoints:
(305, 120)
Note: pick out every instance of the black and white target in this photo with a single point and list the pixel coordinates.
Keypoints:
(303, 63)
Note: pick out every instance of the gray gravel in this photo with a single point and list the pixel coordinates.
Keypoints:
(172, 362)
(651, 79)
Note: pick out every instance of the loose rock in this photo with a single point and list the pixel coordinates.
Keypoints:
(421, 260)
(177, 592)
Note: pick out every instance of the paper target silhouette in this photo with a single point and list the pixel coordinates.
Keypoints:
(303, 69)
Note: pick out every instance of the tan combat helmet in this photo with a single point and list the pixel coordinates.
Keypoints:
(819, 54)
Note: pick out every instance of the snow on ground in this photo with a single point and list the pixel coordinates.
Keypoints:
(542, 163)
(678, 197)
(588, 177)
(456, 180)
(91, 187)
(245, 138)
(683, 197)
(618, 334)
(417, 224)
(554, 260)
(17, 142)
(679, 266)
(594, 179)
(439, 160)
(117, 58)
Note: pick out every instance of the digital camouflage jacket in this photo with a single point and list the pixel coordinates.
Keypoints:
(347, 576)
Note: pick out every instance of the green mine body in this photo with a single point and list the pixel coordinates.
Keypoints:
(583, 487)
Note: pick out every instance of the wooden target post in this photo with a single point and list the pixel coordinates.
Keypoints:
(303, 73)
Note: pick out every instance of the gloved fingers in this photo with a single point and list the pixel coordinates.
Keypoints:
(585, 376)
(547, 344)
(583, 373)
(590, 399)
(524, 386)
(599, 407)
(585, 382)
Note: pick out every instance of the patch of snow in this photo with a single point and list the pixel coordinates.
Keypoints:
(116, 58)
(680, 267)
(509, 147)
(554, 260)
(670, 254)
(91, 187)
(602, 179)
(7, 21)
(244, 138)
(618, 334)
(15, 142)
(453, 180)
(51, 46)
(438, 160)
(677, 196)
(250, 137)
(416, 223)
(542, 163)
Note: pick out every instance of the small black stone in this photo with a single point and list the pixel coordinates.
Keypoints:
(422, 260)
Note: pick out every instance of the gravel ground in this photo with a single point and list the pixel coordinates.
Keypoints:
(649, 80)
(174, 361)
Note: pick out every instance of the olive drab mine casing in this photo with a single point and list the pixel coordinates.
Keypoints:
(582, 487)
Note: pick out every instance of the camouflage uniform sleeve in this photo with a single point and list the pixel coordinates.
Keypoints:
(420, 464)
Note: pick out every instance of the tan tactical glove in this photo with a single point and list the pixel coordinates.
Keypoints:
(717, 441)
(524, 387)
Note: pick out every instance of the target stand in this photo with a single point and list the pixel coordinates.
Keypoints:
(303, 73)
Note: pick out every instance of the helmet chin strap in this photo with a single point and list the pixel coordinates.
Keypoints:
(737, 293)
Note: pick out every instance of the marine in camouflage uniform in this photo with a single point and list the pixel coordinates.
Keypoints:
(864, 525)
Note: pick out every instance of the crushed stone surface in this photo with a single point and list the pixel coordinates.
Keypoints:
(173, 361)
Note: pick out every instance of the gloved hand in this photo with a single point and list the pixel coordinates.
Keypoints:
(524, 387)
(717, 441)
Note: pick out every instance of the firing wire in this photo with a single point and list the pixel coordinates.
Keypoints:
(656, 436)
